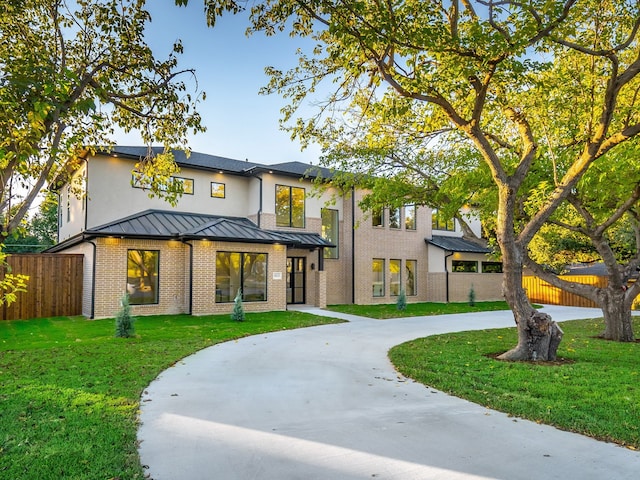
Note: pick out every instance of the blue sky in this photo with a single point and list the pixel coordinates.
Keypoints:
(241, 124)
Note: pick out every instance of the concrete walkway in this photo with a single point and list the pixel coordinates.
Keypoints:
(325, 403)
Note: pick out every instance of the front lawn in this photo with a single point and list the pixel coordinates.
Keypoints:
(594, 389)
(389, 310)
(70, 391)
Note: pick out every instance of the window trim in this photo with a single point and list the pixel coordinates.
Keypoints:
(413, 217)
(383, 272)
(304, 206)
(336, 249)
(391, 274)
(224, 190)
(399, 224)
(242, 277)
(157, 274)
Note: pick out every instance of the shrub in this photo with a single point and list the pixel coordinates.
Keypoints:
(238, 310)
(472, 296)
(401, 303)
(124, 320)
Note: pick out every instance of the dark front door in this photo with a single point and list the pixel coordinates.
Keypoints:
(295, 279)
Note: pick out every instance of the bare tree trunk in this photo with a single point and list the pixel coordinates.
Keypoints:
(538, 335)
(616, 309)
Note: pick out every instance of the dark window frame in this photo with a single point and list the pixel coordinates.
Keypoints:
(290, 223)
(133, 300)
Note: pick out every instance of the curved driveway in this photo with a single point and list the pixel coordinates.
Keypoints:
(325, 403)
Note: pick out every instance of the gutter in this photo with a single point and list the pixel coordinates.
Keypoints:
(93, 280)
(353, 245)
(446, 272)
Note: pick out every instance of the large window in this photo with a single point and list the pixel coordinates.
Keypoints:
(377, 218)
(410, 217)
(289, 206)
(394, 218)
(394, 277)
(410, 269)
(217, 190)
(377, 269)
(330, 223)
(464, 266)
(439, 222)
(246, 271)
(142, 276)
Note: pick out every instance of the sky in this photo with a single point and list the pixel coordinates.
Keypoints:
(241, 124)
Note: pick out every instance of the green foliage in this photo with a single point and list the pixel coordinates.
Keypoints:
(401, 302)
(472, 296)
(124, 320)
(383, 311)
(71, 390)
(71, 73)
(10, 284)
(238, 310)
(560, 393)
(39, 232)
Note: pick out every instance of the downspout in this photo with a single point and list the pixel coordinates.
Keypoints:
(260, 208)
(93, 280)
(353, 245)
(85, 200)
(446, 272)
(190, 295)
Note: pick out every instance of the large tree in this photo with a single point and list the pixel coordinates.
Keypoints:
(600, 222)
(70, 71)
(528, 84)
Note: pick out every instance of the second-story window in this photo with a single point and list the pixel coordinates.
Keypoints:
(289, 206)
(330, 224)
(377, 218)
(439, 222)
(410, 217)
(394, 218)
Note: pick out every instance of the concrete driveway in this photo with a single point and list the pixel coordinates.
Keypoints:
(325, 403)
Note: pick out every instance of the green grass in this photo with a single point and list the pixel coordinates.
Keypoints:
(594, 391)
(389, 310)
(70, 390)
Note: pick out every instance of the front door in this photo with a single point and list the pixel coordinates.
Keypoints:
(295, 279)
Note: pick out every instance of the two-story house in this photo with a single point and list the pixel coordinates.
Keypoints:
(259, 229)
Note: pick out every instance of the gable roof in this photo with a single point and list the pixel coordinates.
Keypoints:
(456, 244)
(166, 225)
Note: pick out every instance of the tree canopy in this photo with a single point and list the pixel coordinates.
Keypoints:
(69, 73)
(538, 90)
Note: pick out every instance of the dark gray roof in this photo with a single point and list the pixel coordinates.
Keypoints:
(456, 244)
(178, 225)
(195, 159)
(596, 268)
(229, 165)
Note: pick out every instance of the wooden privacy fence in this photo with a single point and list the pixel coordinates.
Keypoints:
(54, 287)
(540, 291)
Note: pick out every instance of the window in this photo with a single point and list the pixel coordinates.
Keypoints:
(410, 268)
(491, 267)
(377, 218)
(330, 231)
(378, 277)
(246, 271)
(142, 276)
(394, 277)
(289, 206)
(394, 218)
(410, 217)
(185, 184)
(217, 190)
(464, 266)
(438, 222)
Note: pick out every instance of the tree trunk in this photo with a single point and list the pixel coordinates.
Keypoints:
(616, 308)
(538, 335)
